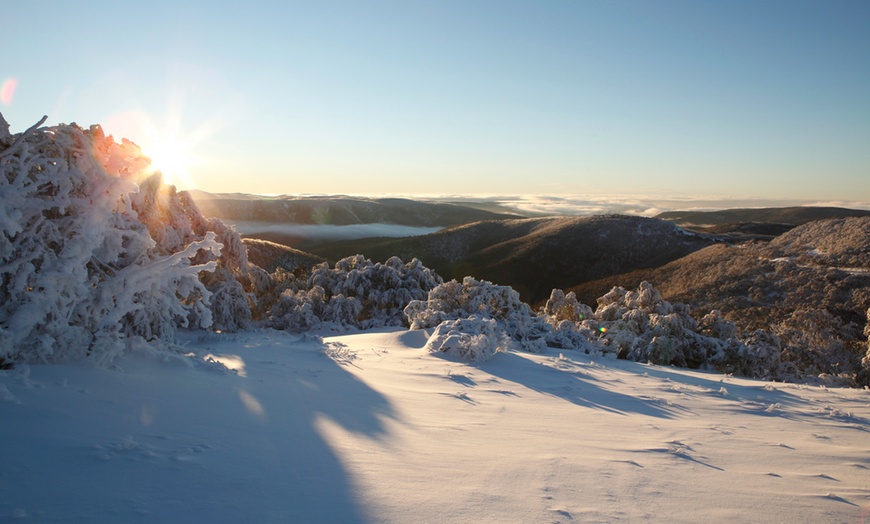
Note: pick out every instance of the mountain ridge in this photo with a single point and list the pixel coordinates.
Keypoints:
(338, 210)
(791, 215)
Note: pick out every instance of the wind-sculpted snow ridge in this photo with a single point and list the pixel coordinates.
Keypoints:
(80, 274)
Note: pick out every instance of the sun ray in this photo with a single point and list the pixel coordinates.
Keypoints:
(171, 148)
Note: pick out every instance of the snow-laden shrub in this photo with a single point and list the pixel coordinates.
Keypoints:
(454, 300)
(383, 290)
(80, 274)
(356, 293)
(561, 307)
(757, 356)
(713, 324)
(472, 338)
(298, 310)
(618, 301)
(230, 307)
(640, 325)
(570, 320)
(570, 335)
(863, 378)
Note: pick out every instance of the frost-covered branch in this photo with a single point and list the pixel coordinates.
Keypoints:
(80, 274)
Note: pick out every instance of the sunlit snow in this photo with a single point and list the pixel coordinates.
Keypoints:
(371, 427)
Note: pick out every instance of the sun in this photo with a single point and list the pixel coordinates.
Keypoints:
(170, 156)
(173, 148)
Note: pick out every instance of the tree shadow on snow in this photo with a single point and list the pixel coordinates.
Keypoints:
(285, 401)
(195, 445)
(573, 386)
(761, 398)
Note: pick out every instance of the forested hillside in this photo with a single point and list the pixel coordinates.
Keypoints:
(536, 255)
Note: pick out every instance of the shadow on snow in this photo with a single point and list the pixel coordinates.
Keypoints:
(161, 442)
(572, 385)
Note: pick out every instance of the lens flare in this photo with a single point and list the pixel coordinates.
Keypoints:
(7, 90)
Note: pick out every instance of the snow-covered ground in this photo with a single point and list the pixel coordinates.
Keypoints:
(369, 427)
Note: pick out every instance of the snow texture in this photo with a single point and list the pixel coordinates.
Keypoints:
(370, 427)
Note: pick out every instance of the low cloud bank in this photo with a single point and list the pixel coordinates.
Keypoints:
(529, 206)
(331, 232)
(641, 205)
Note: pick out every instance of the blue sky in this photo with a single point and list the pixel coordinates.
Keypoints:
(745, 99)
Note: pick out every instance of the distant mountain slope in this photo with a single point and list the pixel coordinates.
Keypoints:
(827, 254)
(269, 255)
(338, 210)
(792, 216)
(841, 242)
(535, 255)
(811, 286)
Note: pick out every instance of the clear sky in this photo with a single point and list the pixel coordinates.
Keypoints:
(737, 98)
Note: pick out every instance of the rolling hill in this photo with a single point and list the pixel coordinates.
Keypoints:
(795, 215)
(810, 286)
(338, 210)
(535, 255)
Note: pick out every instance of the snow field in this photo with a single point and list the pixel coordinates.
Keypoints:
(371, 427)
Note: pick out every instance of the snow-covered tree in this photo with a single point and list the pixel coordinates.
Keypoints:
(174, 221)
(80, 274)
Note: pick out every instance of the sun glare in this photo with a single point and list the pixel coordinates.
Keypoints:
(170, 158)
(172, 149)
